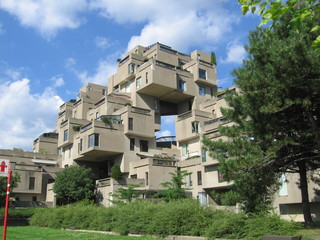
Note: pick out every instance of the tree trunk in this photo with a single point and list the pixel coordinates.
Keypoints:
(304, 194)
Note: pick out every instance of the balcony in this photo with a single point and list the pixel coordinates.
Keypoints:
(98, 141)
(139, 122)
(164, 81)
(189, 124)
(213, 124)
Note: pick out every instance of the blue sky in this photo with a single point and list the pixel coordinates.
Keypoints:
(49, 49)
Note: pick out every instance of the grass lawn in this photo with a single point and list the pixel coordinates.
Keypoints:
(36, 233)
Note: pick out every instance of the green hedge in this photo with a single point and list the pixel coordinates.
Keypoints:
(183, 217)
(18, 213)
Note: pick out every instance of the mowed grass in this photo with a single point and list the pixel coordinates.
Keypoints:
(36, 233)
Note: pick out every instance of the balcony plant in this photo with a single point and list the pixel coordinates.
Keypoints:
(76, 128)
(106, 120)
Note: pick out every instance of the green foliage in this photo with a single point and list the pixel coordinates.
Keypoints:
(174, 189)
(106, 120)
(15, 179)
(73, 184)
(225, 198)
(276, 116)
(76, 128)
(18, 213)
(213, 58)
(128, 193)
(116, 172)
(273, 10)
(181, 217)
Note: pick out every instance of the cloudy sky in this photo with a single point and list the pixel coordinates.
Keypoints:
(49, 49)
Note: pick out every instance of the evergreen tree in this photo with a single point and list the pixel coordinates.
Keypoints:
(277, 115)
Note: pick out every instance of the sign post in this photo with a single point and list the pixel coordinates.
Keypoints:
(4, 172)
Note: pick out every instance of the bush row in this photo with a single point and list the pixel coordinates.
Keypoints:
(185, 217)
(18, 213)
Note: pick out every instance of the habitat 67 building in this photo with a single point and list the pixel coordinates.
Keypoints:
(117, 124)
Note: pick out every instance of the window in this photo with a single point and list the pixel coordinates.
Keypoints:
(182, 86)
(34, 198)
(143, 146)
(203, 155)
(199, 177)
(283, 190)
(132, 143)
(131, 68)
(97, 115)
(134, 176)
(202, 91)
(147, 178)
(130, 124)
(185, 150)
(190, 180)
(138, 82)
(195, 127)
(65, 135)
(104, 92)
(202, 73)
(147, 77)
(93, 140)
(127, 88)
(32, 181)
(80, 145)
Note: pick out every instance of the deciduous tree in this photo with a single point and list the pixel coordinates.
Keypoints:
(73, 184)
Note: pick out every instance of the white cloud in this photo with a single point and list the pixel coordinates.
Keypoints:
(102, 42)
(58, 81)
(46, 16)
(24, 116)
(180, 24)
(163, 133)
(235, 53)
(105, 68)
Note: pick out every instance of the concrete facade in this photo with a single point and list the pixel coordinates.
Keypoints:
(117, 125)
(36, 171)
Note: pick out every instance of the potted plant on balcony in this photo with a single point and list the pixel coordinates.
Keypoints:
(106, 120)
(76, 128)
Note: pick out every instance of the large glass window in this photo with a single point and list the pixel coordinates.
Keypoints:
(143, 146)
(202, 73)
(202, 91)
(93, 140)
(65, 135)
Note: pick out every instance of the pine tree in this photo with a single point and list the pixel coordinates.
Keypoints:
(277, 115)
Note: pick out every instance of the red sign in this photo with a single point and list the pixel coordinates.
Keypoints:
(4, 167)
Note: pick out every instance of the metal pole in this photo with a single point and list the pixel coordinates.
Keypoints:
(5, 220)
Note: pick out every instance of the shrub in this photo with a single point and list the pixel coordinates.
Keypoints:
(18, 213)
(116, 172)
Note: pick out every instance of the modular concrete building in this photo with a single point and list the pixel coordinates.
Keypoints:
(117, 124)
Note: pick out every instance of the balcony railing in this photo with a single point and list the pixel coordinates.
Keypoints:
(140, 110)
(85, 128)
(217, 120)
(185, 115)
